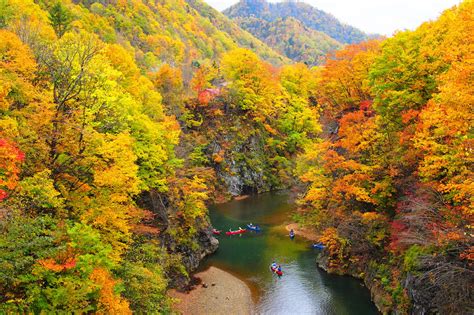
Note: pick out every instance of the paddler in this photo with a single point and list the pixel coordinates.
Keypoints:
(274, 265)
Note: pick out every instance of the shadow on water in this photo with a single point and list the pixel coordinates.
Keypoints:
(303, 289)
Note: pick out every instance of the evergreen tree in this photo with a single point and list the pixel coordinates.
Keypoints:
(60, 18)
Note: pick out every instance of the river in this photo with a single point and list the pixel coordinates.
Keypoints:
(304, 288)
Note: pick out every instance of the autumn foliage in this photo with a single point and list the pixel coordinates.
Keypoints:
(120, 122)
(84, 133)
(397, 148)
(109, 117)
(10, 163)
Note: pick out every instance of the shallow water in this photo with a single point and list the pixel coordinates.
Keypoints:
(303, 289)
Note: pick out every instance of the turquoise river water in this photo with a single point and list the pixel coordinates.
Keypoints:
(304, 288)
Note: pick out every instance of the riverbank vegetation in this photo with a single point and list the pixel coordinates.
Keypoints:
(391, 181)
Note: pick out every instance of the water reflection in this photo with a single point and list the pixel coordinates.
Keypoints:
(303, 289)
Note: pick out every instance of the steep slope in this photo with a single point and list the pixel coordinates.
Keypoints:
(391, 183)
(110, 147)
(291, 38)
(172, 31)
(238, 36)
(307, 14)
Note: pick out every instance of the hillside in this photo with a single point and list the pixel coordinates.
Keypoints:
(310, 17)
(119, 123)
(291, 38)
(391, 184)
(231, 30)
(122, 121)
(170, 31)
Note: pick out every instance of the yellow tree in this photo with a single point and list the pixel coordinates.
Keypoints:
(342, 83)
(252, 84)
(444, 134)
(297, 116)
(109, 207)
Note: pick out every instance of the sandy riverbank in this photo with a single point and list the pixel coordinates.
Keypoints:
(218, 293)
(303, 232)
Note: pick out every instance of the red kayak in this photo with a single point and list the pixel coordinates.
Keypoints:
(216, 232)
(276, 271)
(236, 232)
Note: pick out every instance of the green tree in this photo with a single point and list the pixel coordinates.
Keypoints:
(6, 12)
(60, 18)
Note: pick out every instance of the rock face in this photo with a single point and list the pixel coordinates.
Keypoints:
(243, 169)
(437, 282)
(193, 251)
(191, 258)
(376, 291)
(426, 295)
(242, 180)
(420, 296)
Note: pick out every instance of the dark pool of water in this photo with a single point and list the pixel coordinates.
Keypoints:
(303, 289)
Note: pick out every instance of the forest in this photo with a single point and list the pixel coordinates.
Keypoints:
(307, 14)
(294, 29)
(291, 38)
(121, 121)
(390, 180)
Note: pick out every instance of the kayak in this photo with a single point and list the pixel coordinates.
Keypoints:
(318, 246)
(235, 232)
(216, 232)
(255, 228)
(276, 271)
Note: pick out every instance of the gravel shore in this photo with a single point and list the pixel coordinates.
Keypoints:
(303, 232)
(218, 293)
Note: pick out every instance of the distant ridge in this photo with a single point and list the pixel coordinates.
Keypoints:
(257, 16)
(226, 28)
(291, 38)
(307, 14)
